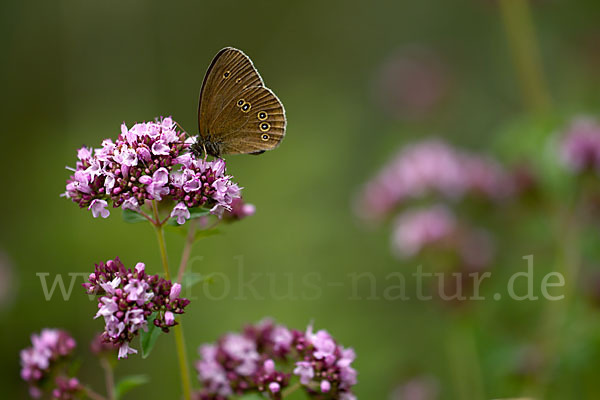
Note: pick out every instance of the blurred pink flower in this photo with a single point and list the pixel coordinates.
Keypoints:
(265, 357)
(417, 388)
(411, 82)
(580, 145)
(416, 229)
(431, 167)
(239, 210)
(37, 361)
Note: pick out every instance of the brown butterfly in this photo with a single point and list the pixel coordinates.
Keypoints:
(237, 114)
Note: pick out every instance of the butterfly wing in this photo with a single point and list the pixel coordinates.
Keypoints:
(229, 72)
(236, 110)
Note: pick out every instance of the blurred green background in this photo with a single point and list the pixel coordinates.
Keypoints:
(72, 71)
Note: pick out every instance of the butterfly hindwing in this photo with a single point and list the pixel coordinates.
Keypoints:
(253, 121)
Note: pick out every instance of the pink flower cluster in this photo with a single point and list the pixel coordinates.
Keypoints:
(266, 357)
(127, 300)
(431, 167)
(49, 347)
(66, 388)
(150, 161)
(416, 229)
(580, 146)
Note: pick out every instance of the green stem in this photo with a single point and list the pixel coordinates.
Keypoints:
(178, 329)
(557, 312)
(93, 395)
(160, 236)
(516, 15)
(464, 360)
(187, 249)
(290, 389)
(186, 383)
(109, 378)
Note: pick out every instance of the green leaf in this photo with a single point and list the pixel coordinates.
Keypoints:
(198, 212)
(191, 279)
(128, 383)
(206, 233)
(148, 339)
(132, 217)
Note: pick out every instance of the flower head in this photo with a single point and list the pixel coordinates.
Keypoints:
(37, 361)
(149, 161)
(431, 167)
(128, 298)
(580, 145)
(413, 230)
(66, 388)
(254, 360)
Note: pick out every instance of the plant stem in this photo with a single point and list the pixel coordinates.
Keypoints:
(93, 395)
(516, 15)
(143, 214)
(160, 236)
(187, 250)
(109, 378)
(179, 342)
(290, 389)
(557, 312)
(464, 360)
(183, 363)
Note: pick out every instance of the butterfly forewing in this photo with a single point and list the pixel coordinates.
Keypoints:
(230, 72)
(236, 111)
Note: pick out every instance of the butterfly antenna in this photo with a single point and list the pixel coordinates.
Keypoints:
(183, 130)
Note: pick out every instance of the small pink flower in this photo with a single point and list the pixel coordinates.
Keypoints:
(157, 191)
(143, 153)
(181, 212)
(274, 387)
(131, 204)
(160, 148)
(140, 267)
(269, 366)
(98, 208)
(305, 371)
(175, 291)
(169, 318)
(84, 153)
(125, 350)
(416, 229)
